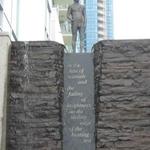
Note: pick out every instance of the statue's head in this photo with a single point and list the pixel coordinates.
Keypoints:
(76, 1)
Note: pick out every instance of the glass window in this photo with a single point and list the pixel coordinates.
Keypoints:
(9, 18)
(1, 14)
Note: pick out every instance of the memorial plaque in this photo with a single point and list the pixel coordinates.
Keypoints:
(78, 106)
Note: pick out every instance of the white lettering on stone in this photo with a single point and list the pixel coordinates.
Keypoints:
(75, 94)
(85, 135)
(78, 106)
(78, 117)
(82, 82)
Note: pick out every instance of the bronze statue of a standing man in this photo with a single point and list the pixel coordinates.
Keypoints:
(76, 14)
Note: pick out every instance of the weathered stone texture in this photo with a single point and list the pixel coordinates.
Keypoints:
(36, 95)
(122, 83)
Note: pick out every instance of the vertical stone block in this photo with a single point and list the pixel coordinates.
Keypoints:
(5, 44)
(122, 92)
(36, 95)
(78, 106)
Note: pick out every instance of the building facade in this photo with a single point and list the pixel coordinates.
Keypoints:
(109, 19)
(38, 20)
(91, 24)
(99, 21)
(64, 23)
(101, 17)
(30, 20)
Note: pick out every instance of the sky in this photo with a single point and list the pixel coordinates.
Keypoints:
(131, 19)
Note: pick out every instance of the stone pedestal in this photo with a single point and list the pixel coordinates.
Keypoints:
(78, 107)
(5, 44)
(122, 94)
(35, 96)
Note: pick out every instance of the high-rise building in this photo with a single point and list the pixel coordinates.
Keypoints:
(99, 21)
(30, 20)
(91, 24)
(101, 17)
(109, 19)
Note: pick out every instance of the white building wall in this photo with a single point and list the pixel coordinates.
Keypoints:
(31, 20)
(5, 44)
(55, 29)
(7, 10)
(1, 14)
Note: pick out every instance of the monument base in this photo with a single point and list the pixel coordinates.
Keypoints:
(78, 106)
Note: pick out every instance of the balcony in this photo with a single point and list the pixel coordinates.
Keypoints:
(101, 12)
(101, 2)
(101, 26)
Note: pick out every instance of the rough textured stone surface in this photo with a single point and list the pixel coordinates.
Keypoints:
(122, 82)
(36, 95)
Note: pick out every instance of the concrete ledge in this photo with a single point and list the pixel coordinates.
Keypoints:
(6, 34)
(5, 44)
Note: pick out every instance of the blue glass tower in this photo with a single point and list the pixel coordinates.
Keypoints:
(109, 18)
(99, 25)
(91, 25)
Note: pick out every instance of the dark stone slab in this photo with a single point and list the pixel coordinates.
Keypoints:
(78, 106)
(122, 86)
(35, 96)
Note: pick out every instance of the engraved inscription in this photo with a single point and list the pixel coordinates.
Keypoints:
(78, 107)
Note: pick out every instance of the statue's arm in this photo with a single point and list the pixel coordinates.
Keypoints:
(69, 13)
(84, 15)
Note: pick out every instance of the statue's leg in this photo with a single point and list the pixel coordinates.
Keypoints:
(74, 36)
(81, 32)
